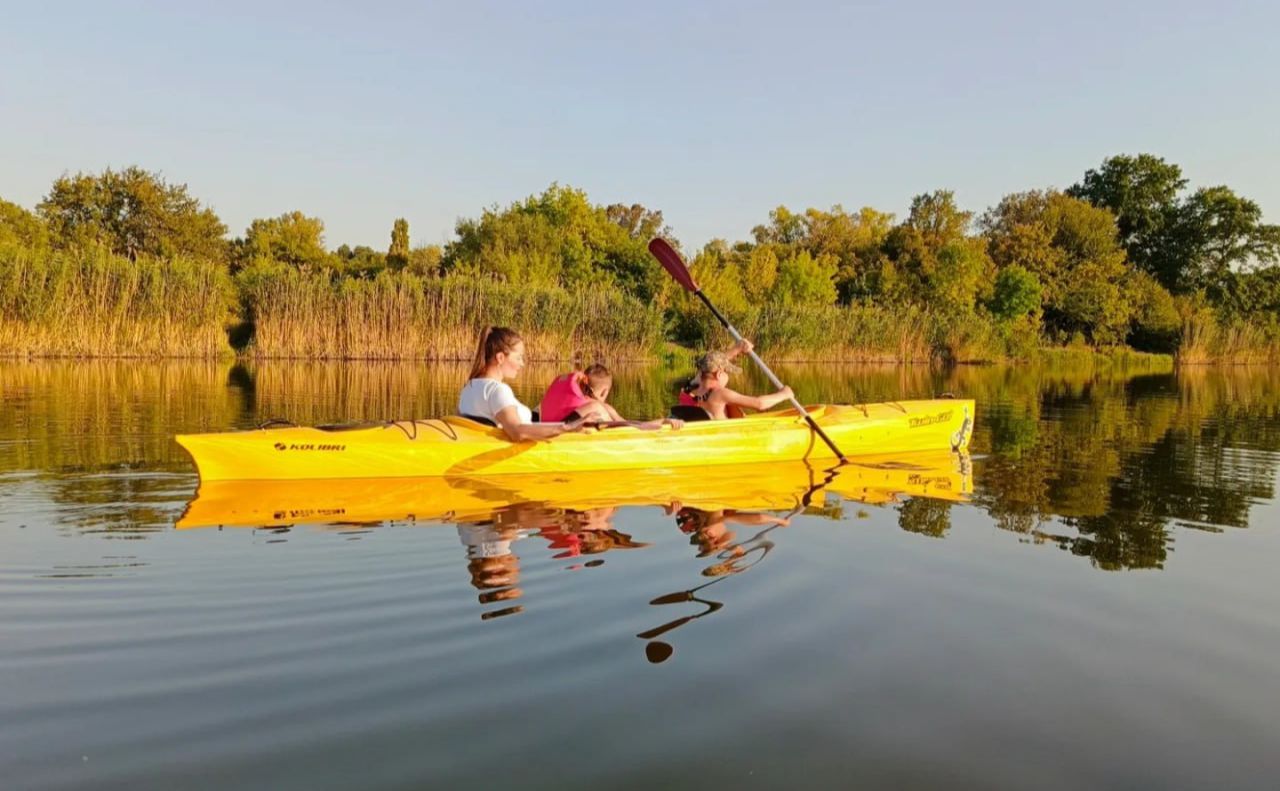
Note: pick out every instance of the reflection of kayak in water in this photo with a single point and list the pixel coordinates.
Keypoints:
(772, 487)
(455, 446)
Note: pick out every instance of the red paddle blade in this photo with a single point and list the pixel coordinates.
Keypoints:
(672, 262)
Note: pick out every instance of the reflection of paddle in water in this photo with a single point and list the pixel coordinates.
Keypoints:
(656, 650)
(708, 531)
(734, 559)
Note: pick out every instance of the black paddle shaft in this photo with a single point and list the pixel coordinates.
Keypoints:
(777, 383)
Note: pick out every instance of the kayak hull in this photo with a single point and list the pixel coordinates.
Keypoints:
(455, 446)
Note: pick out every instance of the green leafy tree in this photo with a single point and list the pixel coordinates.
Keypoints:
(936, 220)
(1186, 244)
(852, 240)
(1073, 248)
(425, 260)
(292, 238)
(784, 228)
(20, 227)
(132, 212)
(856, 241)
(638, 221)
(1250, 293)
(398, 255)
(720, 278)
(760, 273)
(1155, 318)
(518, 246)
(1097, 308)
(931, 260)
(358, 261)
(1218, 232)
(1020, 231)
(961, 277)
(559, 237)
(1141, 191)
(805, 280)
(1016, 293)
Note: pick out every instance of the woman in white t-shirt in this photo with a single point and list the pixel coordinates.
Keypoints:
(499, 356)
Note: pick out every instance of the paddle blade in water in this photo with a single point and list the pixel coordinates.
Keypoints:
(658, 651)
(672, 262)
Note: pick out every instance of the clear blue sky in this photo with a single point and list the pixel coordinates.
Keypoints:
(712, 112)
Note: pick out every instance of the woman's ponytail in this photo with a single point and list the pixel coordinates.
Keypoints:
(492, 340)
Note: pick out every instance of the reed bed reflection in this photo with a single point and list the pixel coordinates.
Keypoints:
(63, 415)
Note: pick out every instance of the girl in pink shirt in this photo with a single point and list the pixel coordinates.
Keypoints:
(584, 395)
(581, 392)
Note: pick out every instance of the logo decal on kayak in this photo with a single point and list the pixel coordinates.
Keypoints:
(961, 438)
(306, 513)
(308, 446)
(930, 481)
(929, 420)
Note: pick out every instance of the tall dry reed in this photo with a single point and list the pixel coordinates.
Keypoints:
(402, 316)
(1206, 338)
(90, 303)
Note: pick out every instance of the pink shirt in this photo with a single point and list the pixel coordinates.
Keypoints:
(562, 397)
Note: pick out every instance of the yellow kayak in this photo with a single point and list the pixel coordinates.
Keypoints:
(456, 446)
(754, 487)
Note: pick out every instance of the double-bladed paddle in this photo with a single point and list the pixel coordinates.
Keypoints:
(675, 266)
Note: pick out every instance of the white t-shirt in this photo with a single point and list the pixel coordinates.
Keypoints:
(488, 397)
(484, 541)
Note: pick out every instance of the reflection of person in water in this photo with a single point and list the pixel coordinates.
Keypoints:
(587, 532)
(494, 568)
(708, 530)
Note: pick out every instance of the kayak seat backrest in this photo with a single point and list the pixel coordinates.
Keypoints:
(689, 412)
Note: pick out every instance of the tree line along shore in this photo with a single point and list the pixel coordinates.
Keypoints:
(1128, 262)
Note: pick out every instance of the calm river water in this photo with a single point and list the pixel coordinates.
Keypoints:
(1084, 602)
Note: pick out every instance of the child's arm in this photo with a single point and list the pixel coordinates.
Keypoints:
(508, 419)
(756, 518)
(761, 403)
